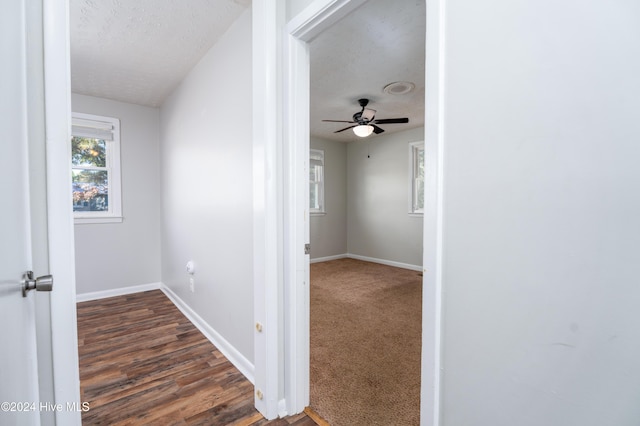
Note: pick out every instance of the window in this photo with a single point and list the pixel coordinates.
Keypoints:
(95, 168)
(416, 178)
(316, 181)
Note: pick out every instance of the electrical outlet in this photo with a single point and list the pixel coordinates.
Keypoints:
(192, 284)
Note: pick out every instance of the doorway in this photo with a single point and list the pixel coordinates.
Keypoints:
(365, 316)
(302, 30)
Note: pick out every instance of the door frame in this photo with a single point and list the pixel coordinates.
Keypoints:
(433, 218)
(57, 88)
(299, 32)
(281, 225)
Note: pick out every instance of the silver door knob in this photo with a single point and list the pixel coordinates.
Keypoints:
(43, 283)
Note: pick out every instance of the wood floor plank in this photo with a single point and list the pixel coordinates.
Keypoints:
(317, 418)
(143, 363)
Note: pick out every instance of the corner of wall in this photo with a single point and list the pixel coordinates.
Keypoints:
(227, 349)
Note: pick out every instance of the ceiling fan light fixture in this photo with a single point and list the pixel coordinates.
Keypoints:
(363, 130)
(399, 88)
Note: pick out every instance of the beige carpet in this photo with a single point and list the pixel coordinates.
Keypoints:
(365, 343)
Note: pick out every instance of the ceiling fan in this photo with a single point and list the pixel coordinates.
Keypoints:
(365, 123)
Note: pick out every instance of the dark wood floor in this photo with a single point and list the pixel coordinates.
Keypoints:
(142, 362)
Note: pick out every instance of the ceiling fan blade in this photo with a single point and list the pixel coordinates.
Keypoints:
(346, 128)
(339, 121)
(368, 114)
(392, 120)
(377, 130)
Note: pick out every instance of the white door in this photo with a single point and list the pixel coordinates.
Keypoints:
(18, 359)
(39, 381)
(19, 395)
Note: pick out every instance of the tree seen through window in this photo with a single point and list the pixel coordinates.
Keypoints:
(90, 177)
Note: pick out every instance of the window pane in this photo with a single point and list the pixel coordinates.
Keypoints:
(88, 152)
(313, 195)
(420, 180)
(416, 182)
(316, 181)
(419, 196)
(90, 190)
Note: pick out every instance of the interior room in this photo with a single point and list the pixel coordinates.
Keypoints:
(178, 81)
(169, 154)
(171, 210)
(365, 216)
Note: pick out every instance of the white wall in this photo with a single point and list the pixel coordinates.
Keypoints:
(328, 232)
(116, 255)
(542, 208)
(366, 191)
(379, 225)
(294, 7)
(206, 153)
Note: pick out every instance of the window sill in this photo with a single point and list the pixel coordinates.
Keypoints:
(93, 220)
(317, 213)
(416, 214)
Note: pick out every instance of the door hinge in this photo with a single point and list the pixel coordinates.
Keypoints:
(307, 248)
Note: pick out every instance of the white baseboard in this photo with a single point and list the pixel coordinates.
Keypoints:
(386, 262)
(95, 295)
(227, 349)
(367, 259)
(328, 258)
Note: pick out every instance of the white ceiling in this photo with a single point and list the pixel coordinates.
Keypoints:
(138, 51)
(379, 43)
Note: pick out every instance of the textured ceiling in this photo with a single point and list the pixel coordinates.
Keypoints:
(138, 51)
(379, 43)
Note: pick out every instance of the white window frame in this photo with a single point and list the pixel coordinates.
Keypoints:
(414, 149)
(318, 156)
(101, 124)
